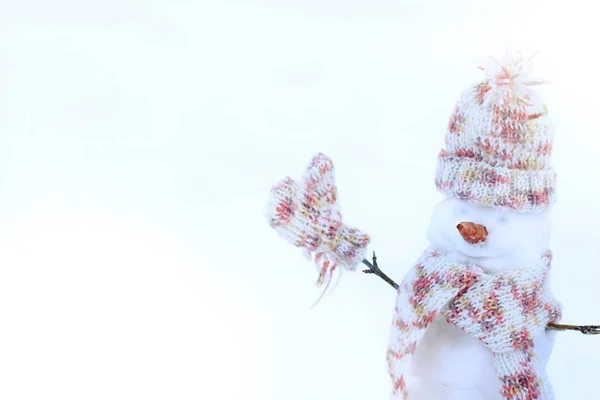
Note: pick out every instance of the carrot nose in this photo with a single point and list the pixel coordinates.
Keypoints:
(472, 233)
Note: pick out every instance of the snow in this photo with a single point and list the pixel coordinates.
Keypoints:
(138, 143)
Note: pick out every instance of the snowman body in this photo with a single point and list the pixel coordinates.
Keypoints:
(449, 364)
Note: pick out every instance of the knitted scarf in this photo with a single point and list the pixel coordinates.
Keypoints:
(505, 311)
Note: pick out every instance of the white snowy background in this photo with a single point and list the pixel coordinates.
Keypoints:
(139, 140)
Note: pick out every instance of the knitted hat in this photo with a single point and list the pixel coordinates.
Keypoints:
(499, 142)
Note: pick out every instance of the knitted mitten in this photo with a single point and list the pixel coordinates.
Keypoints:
(307, 215)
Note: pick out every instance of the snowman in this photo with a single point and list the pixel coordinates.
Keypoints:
(470, 317)
(450, 364)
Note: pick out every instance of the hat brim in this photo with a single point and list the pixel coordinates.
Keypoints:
(483, 184)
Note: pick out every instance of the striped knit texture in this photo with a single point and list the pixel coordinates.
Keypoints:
(499, 142)
(307, 215)
(505, 311)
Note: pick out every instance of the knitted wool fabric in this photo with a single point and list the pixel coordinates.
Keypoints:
(505, 311)
(307, 215)
(499, 142)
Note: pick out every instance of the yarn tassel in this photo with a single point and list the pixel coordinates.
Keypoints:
(328, 268)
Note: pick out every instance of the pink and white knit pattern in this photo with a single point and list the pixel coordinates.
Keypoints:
(499, 142)
(307, 215)
(504, 311)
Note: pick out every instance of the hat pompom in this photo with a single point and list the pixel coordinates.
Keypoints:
(509, 70)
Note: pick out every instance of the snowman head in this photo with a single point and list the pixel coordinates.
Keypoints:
(495, 239)
(496, 171)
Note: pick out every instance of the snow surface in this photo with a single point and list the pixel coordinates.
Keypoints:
(138, 143)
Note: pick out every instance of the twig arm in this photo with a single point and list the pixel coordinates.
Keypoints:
(374, 269)
(585, 329)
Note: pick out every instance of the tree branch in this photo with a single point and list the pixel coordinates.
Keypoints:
(585, 329)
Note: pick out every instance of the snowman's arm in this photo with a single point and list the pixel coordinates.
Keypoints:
(585, 329)
(374, 269)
